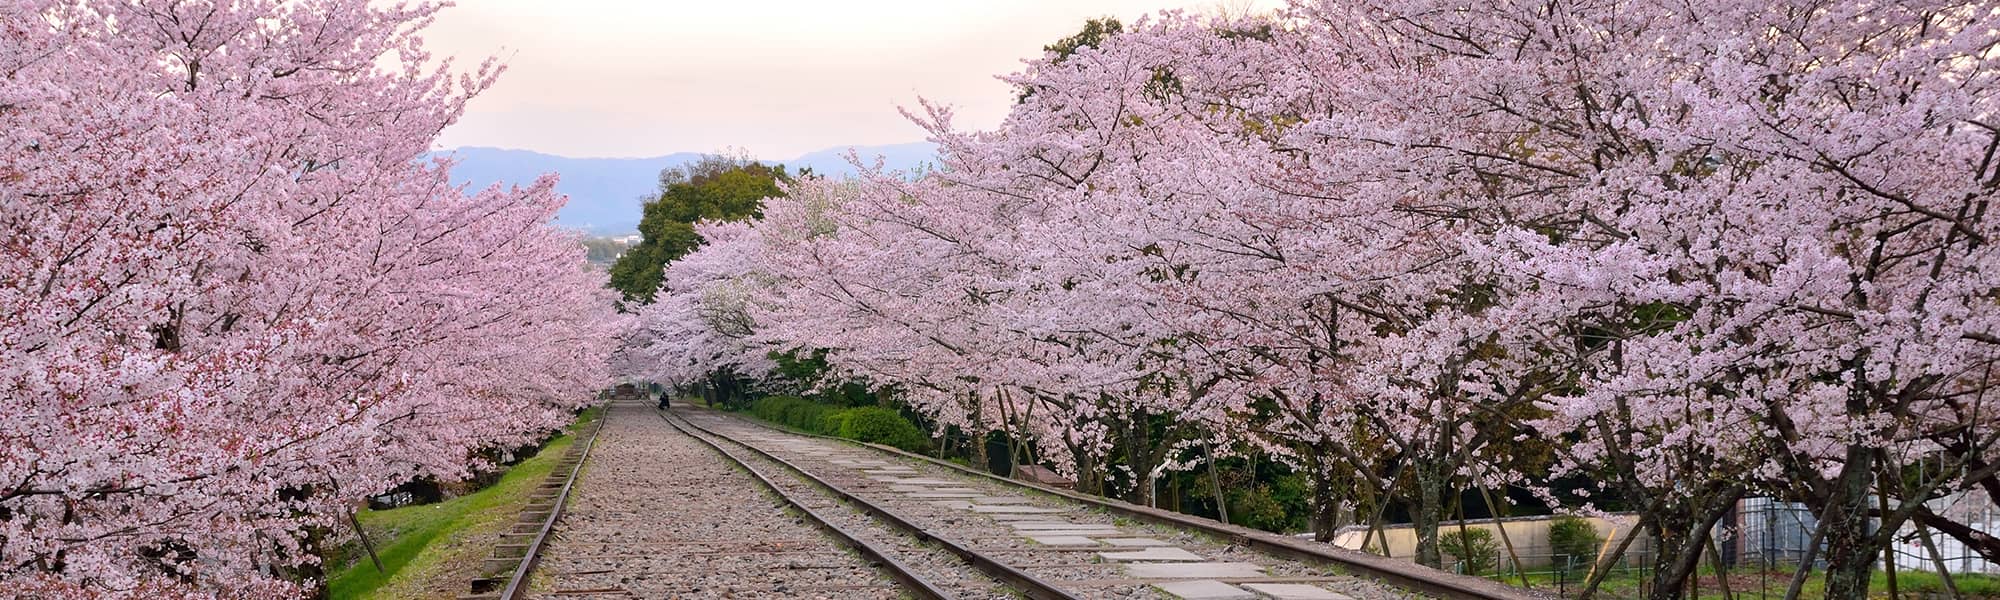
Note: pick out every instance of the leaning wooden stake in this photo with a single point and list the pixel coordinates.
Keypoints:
(1502, 526)
(1215, 479)
(1721, 573)
(1597, 569)
(1889, 552)
(1806, 563)
(1937, 558)
(355, 520)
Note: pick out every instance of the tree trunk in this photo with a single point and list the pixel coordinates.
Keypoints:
(1850, 550)
(1138, 450)
(1671, 540)
(1325, 511)
(1088, 480)
(978, 447)
(1682, 538)
(1428, 512)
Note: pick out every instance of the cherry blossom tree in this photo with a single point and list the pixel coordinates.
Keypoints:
(1721, 249)
(1770, 221)
(237, 296)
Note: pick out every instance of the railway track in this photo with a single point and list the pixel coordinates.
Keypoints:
(1049, 544)
(511, 561)
(655, 515)
(788, 515)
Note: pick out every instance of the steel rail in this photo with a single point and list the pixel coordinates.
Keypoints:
(517, 583)
(901, 572)
(1029, 585)
(1406, 575)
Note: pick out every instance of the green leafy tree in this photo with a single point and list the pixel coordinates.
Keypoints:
(1474, 549)
(1573, 536)
(1094, 32)
(715, 188)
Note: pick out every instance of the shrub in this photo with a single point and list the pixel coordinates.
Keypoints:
(873, 424)
(790, 411)
(1252, 506)
(879, 425)
(1474, 549)
(1574, 536)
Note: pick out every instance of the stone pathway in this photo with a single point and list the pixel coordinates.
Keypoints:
(1193, 576)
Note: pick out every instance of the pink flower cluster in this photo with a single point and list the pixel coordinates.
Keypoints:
(1713, 248)
(235, 297)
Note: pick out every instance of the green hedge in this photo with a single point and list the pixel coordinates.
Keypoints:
(880, 425)
(1572, 536)
(873, 424)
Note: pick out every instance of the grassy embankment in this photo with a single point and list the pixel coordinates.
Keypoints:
(1746, 584)
(434, 550)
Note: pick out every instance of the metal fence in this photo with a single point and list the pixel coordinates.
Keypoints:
(1562, 573)
(1766, 533)
(1759, 544)
(1762, 532)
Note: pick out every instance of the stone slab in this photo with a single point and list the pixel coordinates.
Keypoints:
(954, 504)
(1155, 553)
(1205, 590)
(923, 481)
(1062, 540)
(968, 496)
(1032, 525)
(1082, 532)
(1297, 591)
(1002, 500)
(1012, 519)
(1071, 531)
(1134, 542)
(1012, 508)
(1203, 570)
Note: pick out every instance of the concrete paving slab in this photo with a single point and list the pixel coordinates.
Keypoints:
(931, 488)
(1092, 532)
(1134, 542)
(1011, 519)
(1062, 540)
(1297, 591)
(954, 504)
(1012, 508)
(1157, 553)
(1203, 570)
(1205, 590)
(967, 496)
(1003, 500)
(1035, 525)
(923, 481)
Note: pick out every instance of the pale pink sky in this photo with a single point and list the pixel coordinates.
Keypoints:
(776, 78)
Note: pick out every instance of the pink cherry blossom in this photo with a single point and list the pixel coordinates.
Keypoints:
(236, 297)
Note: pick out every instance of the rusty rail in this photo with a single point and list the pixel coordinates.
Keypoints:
(903, 573)
(1027, 584)
(517, 582)
(1398, 573)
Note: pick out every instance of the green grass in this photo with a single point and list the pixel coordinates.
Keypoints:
(1746, 583)
(421, 546)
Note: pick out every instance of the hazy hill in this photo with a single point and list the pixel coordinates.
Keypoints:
(606, 193)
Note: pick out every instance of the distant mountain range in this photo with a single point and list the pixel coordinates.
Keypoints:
(606, 193)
